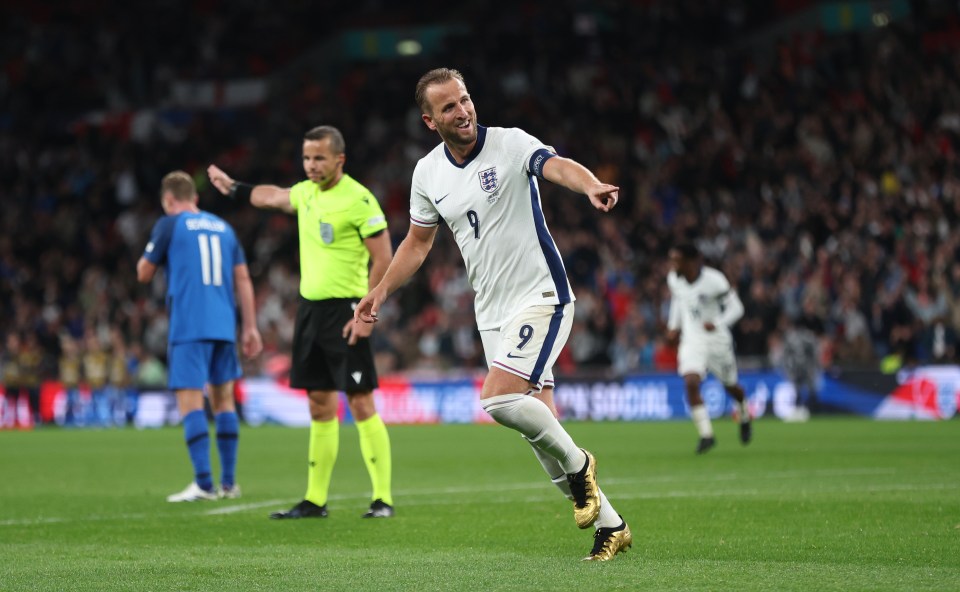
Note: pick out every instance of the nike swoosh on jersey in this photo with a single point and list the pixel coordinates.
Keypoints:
(509, 355)
(436, 201)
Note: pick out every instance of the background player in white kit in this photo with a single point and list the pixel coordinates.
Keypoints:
(703, 307)
(483, 183)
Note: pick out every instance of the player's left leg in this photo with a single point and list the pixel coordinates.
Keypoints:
(518, 356)
(723, 364)
(608, 517)
(375, 448)
(225, 369)
(228, 437)
(550, 465)
(743, 411)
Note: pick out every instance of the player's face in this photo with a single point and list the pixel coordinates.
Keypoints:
(452, 114)
(675, 260)
(683, 266)
(321, 165)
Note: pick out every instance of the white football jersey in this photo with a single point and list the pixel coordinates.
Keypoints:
(491, 203)
(708, 299)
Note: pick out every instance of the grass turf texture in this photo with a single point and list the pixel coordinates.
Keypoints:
(834, 504)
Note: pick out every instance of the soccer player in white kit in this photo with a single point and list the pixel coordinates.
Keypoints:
(703, 307)
(483, 183)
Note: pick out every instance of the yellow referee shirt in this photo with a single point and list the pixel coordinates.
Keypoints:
(333, 225)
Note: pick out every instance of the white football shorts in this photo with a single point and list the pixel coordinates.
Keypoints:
(528, 344)
(715, 356)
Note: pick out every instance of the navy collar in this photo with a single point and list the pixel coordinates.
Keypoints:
(481, 137)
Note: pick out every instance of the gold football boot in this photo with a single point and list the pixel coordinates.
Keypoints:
(607, 542)
(586, 494)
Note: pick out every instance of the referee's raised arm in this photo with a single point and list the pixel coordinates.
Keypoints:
(261, 196)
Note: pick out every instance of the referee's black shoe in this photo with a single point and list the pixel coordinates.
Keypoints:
(706, 444)
(305, 509)
(379, 509)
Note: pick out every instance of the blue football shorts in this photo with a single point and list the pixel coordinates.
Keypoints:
(195, 364)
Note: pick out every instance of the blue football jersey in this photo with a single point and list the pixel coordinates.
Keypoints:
(199, 251)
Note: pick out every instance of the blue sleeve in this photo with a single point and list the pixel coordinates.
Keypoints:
(537, 160)
(156, 250)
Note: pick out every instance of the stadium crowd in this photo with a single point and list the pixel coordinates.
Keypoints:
(819, 172)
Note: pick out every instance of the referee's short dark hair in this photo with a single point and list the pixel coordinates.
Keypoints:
(337, 145)
(687, 250)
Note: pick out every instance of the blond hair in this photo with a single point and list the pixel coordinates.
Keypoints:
(180, 185)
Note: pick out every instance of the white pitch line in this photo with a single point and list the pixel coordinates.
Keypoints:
(548, 493)
(678, 494)
(245, 507)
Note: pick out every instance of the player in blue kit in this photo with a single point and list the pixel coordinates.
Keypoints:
(206, 276)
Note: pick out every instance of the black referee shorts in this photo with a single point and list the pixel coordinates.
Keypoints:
(322, 360)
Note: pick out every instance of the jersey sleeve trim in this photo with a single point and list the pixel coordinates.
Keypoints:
(537, 160)
(424, 223)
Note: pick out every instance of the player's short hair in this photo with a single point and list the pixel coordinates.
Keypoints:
(687, 250)
(322, 132)
(435, 76)
(180, 185)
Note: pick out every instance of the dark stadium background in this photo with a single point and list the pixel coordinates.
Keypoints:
(810, 150)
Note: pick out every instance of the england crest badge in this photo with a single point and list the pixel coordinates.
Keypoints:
(326, 232)
(488, 179)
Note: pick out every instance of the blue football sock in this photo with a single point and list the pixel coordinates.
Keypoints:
(198, 445)
(228, 439)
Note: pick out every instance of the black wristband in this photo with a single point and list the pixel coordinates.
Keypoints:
(241, 190)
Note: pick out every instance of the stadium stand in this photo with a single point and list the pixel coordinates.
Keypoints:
(817, 169)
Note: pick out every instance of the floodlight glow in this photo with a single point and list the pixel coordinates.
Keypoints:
(881, 19)
(409, 47)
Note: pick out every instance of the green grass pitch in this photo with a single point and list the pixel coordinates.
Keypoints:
(834, 504)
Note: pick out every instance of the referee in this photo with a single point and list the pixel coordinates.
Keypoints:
(342, 234)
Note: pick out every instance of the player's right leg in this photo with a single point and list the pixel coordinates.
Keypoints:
(692, 366)
(321, 456)
(317, 327)
(699, 413)
(189, 366)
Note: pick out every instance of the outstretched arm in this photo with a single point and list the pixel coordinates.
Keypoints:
(410, 255)
(261, 196)
(381, 252)
(576, 177)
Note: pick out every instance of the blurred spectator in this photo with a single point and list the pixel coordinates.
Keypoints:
(70, 371)
(818, 168)
(800, 361)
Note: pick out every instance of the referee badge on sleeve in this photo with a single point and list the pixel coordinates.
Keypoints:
(326, 232)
